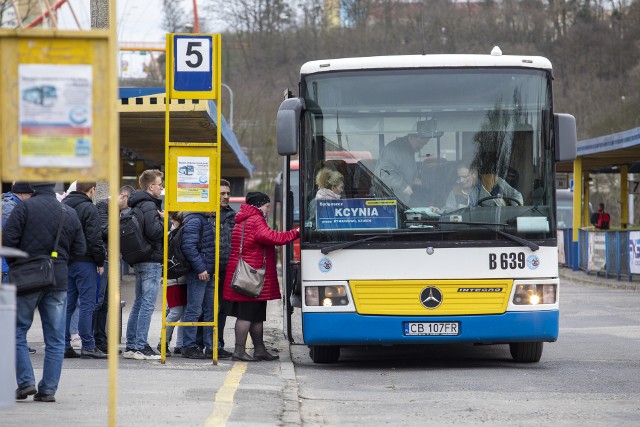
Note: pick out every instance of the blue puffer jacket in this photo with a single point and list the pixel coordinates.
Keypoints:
(200, 252)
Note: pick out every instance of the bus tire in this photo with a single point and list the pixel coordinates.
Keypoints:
(526, 352)
(324, 353)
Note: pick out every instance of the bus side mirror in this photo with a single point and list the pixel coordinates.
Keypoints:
(288, 126)
(565, 137)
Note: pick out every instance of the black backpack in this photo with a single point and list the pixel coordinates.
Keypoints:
(134, 246)
(177, 264)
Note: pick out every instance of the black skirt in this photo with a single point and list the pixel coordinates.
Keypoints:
(250, 311)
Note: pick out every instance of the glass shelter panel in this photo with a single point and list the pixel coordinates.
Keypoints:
(438, 154)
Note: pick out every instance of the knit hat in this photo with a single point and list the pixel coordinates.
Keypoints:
(20, 187)
(257, 199)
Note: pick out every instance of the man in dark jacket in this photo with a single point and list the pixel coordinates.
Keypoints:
(32, 227)
(102, 306)
(146, 204)
(84, 271)
(227, 222)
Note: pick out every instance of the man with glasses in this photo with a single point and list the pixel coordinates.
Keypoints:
(102, 307)
(147, 206)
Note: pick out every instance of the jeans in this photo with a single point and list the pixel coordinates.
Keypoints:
(148, 278)
(51, 305)
(82, 284)
(199, 301)
(101, 310)
(73, 325)
(175, 314)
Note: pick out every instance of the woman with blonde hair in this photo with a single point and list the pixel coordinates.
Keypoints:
(330, 184)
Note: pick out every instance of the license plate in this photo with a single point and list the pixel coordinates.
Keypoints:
(431, 328)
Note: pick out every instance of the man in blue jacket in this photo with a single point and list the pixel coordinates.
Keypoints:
(198, 247)
(32, 227)
(84, 271)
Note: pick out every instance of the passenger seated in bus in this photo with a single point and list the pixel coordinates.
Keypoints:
(397, 167)
(495, 190)
(330, 186)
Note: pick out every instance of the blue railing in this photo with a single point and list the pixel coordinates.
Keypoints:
(601, 252)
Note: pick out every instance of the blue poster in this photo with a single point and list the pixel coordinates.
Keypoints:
(357, 214)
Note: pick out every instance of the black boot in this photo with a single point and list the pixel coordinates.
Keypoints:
(240, 355)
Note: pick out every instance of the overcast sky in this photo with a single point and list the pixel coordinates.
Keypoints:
(137, 21)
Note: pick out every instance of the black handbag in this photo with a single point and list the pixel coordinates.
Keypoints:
(36, 273)
(247, 280)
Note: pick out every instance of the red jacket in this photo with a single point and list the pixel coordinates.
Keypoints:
(257, 236)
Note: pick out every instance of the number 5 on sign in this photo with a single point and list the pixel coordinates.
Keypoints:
(194, 63)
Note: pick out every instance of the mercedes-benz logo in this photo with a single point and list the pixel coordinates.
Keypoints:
(431, 297)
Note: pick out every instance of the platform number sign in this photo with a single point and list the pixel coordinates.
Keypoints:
(193, 63)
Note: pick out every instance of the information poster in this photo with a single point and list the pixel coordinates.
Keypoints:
(561, 256)
(193, 179)
(634, 252)
(597, 253)
(356, 214)
(56, 114)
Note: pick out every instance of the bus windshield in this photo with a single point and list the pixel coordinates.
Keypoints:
(427, 154)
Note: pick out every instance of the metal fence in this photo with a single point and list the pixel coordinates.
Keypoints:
(600, 252)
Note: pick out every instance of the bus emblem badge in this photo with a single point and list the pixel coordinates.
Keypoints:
(533, 262)
(325, 265)
(431, 297)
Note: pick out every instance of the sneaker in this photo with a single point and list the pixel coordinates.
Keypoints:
(24, 392)
(177, 350)
(193, 353)
(129, 353)
(94, 353)
(146, 353)
(168, 353)
(70, 353)
(76, 343)
(40, 397)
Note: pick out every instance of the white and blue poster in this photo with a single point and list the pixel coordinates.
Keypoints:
(634, 252)
(357, 214)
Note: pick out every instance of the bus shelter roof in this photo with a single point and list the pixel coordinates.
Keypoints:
(142, 129)
(605, 154)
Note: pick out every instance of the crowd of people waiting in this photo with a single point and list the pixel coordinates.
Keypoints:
(74, 232)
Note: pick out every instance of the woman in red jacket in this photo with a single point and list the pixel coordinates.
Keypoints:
(259, 242)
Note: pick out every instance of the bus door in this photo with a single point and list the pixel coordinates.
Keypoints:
(289, 262)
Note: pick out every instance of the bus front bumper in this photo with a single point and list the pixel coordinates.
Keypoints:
(356, 329)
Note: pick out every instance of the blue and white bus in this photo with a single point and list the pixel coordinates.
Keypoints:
(388, 264)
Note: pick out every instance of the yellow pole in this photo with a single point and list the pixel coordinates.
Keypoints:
(216, 282)
(624, 196)
(586, 218)
(167, 193)
(114, 223)
(577, 196)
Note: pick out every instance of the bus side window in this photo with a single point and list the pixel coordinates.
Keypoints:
(362, 178)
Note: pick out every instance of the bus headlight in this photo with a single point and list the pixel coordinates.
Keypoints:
(327, 296)
(535, 294)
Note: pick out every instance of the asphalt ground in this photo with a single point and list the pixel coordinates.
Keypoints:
(181, 392)
(185, 392)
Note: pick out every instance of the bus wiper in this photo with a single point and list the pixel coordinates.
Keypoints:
(350, 243)
(345, 245)
(524, 242)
